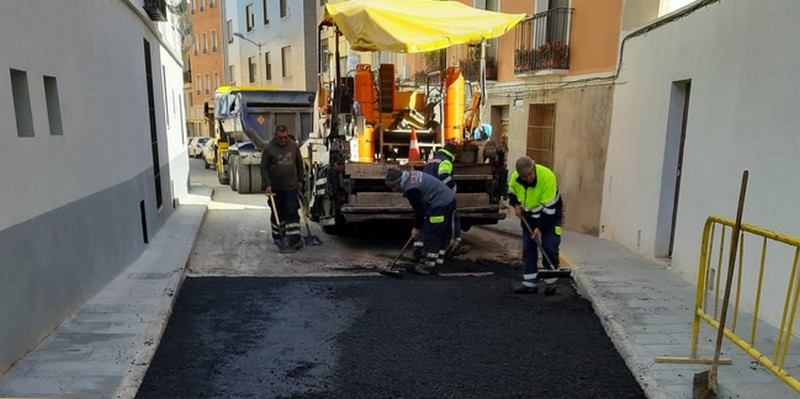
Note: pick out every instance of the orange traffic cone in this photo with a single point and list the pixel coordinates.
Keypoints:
(413, 149)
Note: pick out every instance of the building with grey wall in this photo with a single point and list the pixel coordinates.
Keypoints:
(93, 144)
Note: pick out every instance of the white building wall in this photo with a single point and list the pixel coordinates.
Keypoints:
(99, 68)
(278, 33)
(71, 204)
(741, 58)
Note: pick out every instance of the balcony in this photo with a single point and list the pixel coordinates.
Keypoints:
(542, 41)
(187, 76)
(156, 9)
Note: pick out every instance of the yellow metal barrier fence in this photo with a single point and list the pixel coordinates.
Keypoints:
(775, 363)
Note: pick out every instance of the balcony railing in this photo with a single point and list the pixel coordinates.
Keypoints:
(187, 76)
(156, 9)
(542, 41)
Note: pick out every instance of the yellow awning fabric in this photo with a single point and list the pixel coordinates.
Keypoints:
(414, 26)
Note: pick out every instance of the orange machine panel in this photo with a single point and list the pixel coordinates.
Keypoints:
(365, 91)
(454, 104)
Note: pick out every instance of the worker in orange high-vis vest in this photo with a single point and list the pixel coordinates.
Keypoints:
(533, 192)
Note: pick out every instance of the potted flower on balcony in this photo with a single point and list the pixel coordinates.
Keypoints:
(552, 54)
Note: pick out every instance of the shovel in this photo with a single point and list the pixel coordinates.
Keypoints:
(704, 385)
(309, 239)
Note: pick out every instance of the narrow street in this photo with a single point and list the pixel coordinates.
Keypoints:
(250, 322)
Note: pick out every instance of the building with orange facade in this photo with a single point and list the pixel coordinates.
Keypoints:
(551, 87)
(203, 65)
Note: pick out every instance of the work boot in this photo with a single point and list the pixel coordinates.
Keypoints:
(461, 249)
(278, 241)
(419, 268)
(525, 287)
(286, 246)
(296, 242)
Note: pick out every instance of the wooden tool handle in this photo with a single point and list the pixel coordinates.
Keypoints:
(737, 226)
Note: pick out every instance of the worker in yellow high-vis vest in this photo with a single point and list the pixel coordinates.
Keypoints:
(533, 192)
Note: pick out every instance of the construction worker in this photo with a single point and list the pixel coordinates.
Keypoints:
(433, 204)
(441, 166)
(282, 174)
(533, 192)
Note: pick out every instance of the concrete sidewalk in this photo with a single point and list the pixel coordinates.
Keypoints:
(103, 350)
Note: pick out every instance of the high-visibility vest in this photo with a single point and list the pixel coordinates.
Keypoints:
(541, 198)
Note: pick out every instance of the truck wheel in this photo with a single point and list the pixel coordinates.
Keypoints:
(243, 178)
(255, 179)
(234, 172)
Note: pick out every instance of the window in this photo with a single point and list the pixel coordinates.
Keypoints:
(22, 103)
(198, 85)
(286, 54)
(205, 43)
(269, 66)
(166, 98)
(194, 10)
(53, 106)
(541, 133)
(196, 47)
(212, 4)
(202, 5)
(252, 69)
(491, 44)
(208, 85)
(251, 19)
(284, 8)
(266, 14)
(230, 31)
(216, 81)
(214, 41)
(231, 75)
(189, 98)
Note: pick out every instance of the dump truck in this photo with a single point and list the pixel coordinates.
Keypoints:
(366, 120)
(246, 117)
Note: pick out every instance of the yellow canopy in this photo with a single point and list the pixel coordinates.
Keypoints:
(414, 26)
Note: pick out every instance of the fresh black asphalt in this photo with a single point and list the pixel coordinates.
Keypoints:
(378, 337)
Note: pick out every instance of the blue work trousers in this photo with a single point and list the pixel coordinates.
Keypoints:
(551, 240)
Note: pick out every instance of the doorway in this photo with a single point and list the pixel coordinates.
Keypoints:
(672, 168)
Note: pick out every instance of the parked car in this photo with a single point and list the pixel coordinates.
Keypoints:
(210, 153)
(196, 146)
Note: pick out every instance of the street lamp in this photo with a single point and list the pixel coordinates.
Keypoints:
(258, 61)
